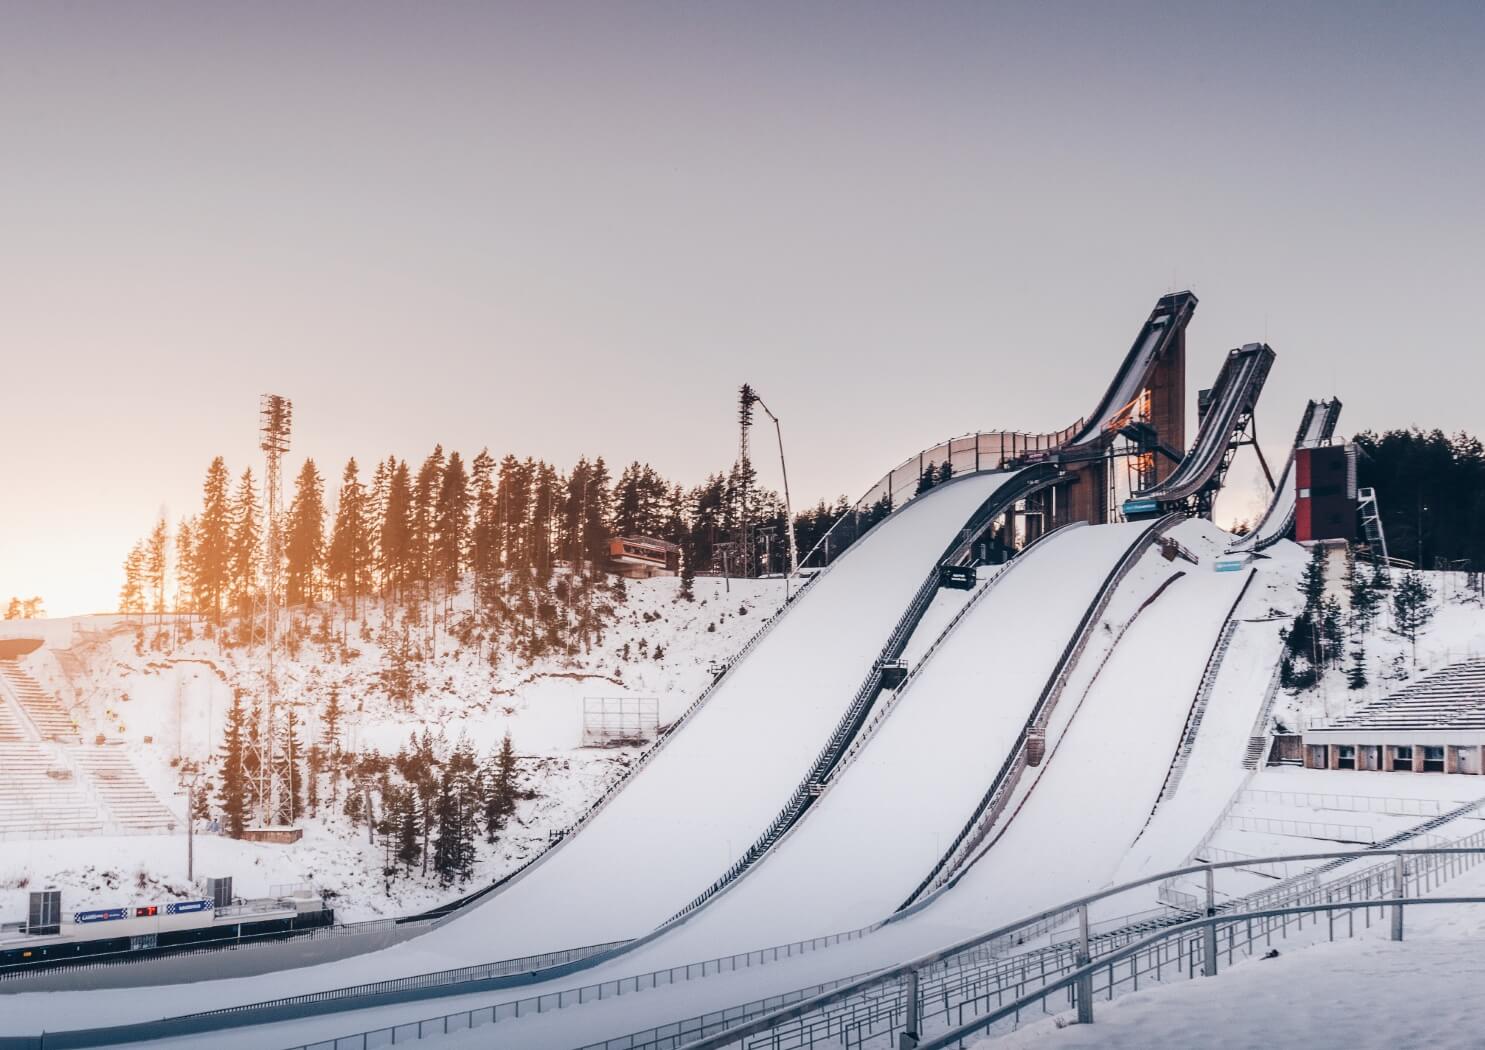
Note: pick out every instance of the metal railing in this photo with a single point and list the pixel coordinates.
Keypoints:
(1019, 983)
(1199, 702)
(977, 453)
(1387, 805)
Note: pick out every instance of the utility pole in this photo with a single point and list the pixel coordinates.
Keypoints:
(751, 395)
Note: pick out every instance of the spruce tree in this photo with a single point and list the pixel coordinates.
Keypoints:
(1412, 608)
(500, 796)
(350, 555)
(1356, 674)
(396, 531)
(291, 804)
(304, 540)
(246, 545)
(451, 522)
(234, 793)
(131, 595)
(212, 564)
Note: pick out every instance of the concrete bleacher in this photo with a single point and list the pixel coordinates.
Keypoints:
(130, 803)
(40, 795)
(44, 712)
(1453, 698)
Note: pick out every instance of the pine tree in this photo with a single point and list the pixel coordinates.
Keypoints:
(1312, 582)
(212, 565)
(500, 797)
(484, 534)
(131, 595)
(304, 540)
(234, 792)
(185, 565)
(1412, 608)
(332, 739)
(424, 517)
(291, 805)
(350, 556)
(1362, 595)
(1356, 674)
(408, 828)
(688, 575)
(246, 545)
(451, 522)
(396, 531)
(156, 568)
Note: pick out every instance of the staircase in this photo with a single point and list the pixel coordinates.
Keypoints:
(1199, 708)
(130, 803)
(1258, 736)
(40, 797)
(51, 722)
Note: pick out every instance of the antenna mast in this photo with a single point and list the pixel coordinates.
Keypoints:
(276, 415)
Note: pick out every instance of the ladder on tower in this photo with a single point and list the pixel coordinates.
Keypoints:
(1371, 527)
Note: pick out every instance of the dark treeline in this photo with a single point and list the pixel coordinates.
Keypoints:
(1431, 489)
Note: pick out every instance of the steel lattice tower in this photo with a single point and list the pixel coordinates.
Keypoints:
(276, 415)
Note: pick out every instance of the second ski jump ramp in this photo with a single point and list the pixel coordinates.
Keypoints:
(1103, 774)
(892, 811)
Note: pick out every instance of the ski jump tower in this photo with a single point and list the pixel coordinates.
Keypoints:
(1145, 403)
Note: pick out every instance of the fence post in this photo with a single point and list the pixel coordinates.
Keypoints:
(908, 1040)
(1085, 983)
(1209, 935)
(1399, 891)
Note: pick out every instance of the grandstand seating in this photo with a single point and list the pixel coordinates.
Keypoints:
(130, 803)
(40, 795)
(1453, 698)
(45, 713)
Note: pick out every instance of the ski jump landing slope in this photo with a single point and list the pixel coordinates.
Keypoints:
(1103, 774)
(706, 796)
(890, 814)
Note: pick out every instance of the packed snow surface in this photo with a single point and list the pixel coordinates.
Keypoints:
(890, 815)
(1102, 778)
(710, 792)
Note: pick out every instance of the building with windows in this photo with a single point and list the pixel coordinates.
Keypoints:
(1435, 725)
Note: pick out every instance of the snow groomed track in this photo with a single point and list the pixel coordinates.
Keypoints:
(891, 812)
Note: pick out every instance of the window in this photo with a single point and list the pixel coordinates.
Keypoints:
(1345, 757)
(1402, 758)
(1433, 760)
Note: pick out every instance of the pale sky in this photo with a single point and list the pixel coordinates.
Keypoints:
(561, 229)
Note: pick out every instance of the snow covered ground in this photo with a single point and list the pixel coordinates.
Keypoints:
(1368, 992)
(163, 708)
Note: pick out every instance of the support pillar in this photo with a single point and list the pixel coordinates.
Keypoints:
(908, 1040)
(1399, 891)
(1085, 983)
(1209, 934)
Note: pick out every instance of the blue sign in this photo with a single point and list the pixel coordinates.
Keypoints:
(1230, 564)
(1140, 506)
(101, 915)
(186, 907)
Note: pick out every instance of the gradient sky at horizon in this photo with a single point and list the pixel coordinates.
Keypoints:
(557, 229)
